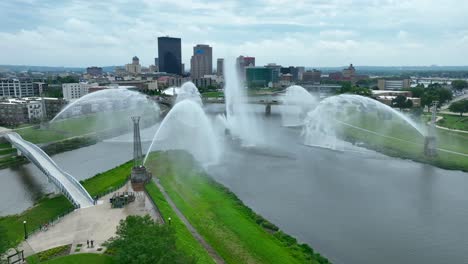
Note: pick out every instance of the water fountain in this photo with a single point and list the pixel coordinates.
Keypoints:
(297, 102)
(107, 100)
(239, 119)
(324, 123)
(189, 91)
(186, 127)
(103, 110)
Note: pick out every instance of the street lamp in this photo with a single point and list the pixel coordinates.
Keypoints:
(25, 232)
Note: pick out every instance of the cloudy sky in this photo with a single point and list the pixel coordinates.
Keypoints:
(297, 32)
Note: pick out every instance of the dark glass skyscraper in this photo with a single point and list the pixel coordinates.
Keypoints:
(170, 55)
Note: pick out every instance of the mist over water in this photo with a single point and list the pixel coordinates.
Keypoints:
(296, 103)
(324, 124)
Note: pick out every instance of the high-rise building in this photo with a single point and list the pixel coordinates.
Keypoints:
(243, 62)
(170, 55)
(313, 76)
(201, 63)
(349, 72)
(134, 67)
(262, 76)
(220, 67)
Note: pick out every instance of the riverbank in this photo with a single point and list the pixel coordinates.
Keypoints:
(49, 208)
(238, 234)
(398, 139)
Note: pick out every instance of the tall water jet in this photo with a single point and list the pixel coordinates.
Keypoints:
(186, 127)
(240, 119)
(189, 91)
(296, 103)
(324, 123)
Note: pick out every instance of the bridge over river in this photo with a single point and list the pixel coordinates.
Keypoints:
(65, 182)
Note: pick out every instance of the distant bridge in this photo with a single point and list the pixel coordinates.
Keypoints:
(65, 182)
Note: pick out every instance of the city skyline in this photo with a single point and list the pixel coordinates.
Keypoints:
(312, 33)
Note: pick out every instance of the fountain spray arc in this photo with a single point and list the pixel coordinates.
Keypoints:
(430, 141)
(139, 175)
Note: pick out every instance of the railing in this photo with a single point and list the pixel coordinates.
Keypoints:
(33, 159)
(113, 189)
(45, 226)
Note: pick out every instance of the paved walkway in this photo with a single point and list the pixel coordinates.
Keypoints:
(217, 258)
(96, 223)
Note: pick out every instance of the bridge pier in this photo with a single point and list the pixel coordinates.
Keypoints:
(268, 109)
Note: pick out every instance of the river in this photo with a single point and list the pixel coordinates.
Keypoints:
(356, 206)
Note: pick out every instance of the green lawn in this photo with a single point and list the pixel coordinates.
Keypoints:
(103, 182)
(78, 126)
(454, 122)
(82, 259)
(410, 144)
(44, 211)
(213, 94)
(184, 239)
(227, 225)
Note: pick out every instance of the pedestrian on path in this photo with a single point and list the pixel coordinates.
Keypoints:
(87, 242)
(92, 243)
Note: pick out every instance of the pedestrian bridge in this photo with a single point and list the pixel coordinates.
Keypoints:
(65, 182)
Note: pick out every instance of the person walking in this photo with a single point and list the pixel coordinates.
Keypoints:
(92, 243)
(87, 243)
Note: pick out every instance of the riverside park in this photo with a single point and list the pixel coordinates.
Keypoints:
(120, 177)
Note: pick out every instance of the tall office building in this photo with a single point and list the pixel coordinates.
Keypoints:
(220, 67)
(134, 67)
(170, 55)
(201, 63)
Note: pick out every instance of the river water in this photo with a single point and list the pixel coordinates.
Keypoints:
(355, 206)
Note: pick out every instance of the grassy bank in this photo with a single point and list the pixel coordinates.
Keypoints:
(184, 239)
(212, 94)
(104, 182)
(82, 125)
(231, 228)
(453, 122)
(45, 210)
(82, 259)
(395, 138)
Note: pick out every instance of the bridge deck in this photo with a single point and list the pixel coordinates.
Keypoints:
(71, 188)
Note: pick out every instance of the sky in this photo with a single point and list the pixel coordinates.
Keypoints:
(307, 33)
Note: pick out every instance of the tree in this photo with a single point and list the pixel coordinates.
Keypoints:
(140, 240)
(459, 107)
(402, 102)
(417, 91)
(346, 87)
(459, 84)
(435, 92)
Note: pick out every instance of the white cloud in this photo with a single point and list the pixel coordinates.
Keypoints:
(303, 32)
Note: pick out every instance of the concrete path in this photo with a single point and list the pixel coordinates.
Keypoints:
(96, 223)
(217, 258)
